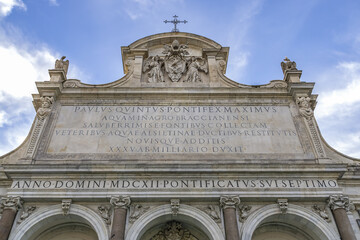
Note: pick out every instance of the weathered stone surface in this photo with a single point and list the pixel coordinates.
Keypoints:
(175, 129)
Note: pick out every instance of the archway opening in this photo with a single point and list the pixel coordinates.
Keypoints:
(59, 227)
(68, 231)
(287, 227)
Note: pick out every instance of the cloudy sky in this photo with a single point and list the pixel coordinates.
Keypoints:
(322, 36)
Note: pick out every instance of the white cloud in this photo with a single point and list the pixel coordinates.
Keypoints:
(338, 110)
(3, 118)
(343, 99)
(21, 67)
(6, 6)
(22, 64)
(138, 8)
(238, 37)
(53, 3)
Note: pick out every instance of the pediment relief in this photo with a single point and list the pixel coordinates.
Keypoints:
(173, 60)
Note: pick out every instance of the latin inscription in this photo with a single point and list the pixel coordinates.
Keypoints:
(174, 129)
(175, 184)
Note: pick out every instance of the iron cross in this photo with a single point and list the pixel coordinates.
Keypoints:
(175, 22)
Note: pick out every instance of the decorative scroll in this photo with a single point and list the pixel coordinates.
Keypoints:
(244, 211)
(13, 203)
(120, 201)
(321, 212)
(26, 213)
(229, 201)
(136, 211)
(339, 201)
(105, 213)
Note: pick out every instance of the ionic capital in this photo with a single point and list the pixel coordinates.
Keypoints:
(228, 201)
(120, 201)
(339, 201)
(12, 203)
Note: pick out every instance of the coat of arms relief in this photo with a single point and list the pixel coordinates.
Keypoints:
(175, 64)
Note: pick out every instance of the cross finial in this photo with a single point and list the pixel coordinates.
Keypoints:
(175, 22)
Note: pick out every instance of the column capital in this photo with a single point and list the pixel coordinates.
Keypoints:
(229, 201)
(339, 201)
(120, 201)
(13, 203)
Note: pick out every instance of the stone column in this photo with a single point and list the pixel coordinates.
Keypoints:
(229, 204)
(121, 205)
(339, 204)
(10, 206)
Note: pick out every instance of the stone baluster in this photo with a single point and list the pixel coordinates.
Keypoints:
(10, 206)
(339, 205)
(229, 204)
(121, 205)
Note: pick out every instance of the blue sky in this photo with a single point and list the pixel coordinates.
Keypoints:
(322, 36)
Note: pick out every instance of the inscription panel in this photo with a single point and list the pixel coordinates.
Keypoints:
(168, 184)
(175, 129)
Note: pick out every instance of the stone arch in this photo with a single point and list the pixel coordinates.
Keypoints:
(187, 214)
(39, 221)
(317, 226)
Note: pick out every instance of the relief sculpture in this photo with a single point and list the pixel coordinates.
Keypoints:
(174, 231)
(175, 62)
(153, 65)
(194, 65)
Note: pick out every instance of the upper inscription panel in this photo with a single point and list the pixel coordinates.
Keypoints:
(163, 130)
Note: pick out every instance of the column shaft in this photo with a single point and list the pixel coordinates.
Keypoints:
(343, 224)
(119, 222)
(231, 227)
(6, 223)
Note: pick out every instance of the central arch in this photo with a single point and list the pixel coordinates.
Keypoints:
(187, 214)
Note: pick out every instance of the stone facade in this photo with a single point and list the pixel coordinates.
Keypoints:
(176, 150)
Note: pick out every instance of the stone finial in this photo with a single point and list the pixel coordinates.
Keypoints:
(283, 205)
(65, 206)
(228, 201)
(45, 109)
(291, 73)
(12, 203)
(322, 213)
(105, 213)
(305, 107)
(58, 74)
(287, 65)
(244, 211)
(60, 64)
(175, 206)
(26, 213)
(339, 201)
(120, 201)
